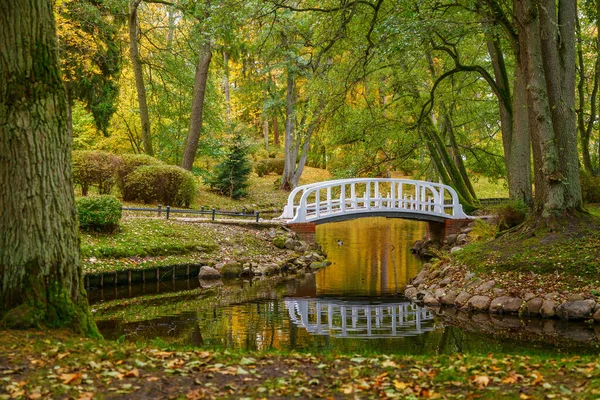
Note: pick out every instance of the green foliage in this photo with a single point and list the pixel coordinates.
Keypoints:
(269, 166)
(510, 214)
(168, 184)
(230, 177)
(129, 163)
(100, 213)
(95, 168)
(590, 187)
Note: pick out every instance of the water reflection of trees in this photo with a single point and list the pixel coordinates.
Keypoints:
(374, 258)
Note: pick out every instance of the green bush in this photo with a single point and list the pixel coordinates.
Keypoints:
(510, 214)
(95, 168)
(590, 187)
(268, 166)
(129, 163)
(99, 213)
(168, 184)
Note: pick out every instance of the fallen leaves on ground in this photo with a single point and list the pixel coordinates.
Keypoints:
(92, 369)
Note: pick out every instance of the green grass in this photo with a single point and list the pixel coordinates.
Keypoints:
(147, 237)
(486, 188)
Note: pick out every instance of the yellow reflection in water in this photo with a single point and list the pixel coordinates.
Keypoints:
(370, 256)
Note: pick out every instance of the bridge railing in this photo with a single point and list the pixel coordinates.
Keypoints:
(364, 195)
(349, 319)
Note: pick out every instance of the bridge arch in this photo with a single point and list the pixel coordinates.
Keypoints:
(361, 197)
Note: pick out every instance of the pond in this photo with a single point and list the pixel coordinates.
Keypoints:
(353, 306)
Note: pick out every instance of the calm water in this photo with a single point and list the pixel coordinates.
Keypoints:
(354, 305)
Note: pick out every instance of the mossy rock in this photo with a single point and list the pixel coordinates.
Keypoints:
(232, 270)
(279, 241)
(320, 264)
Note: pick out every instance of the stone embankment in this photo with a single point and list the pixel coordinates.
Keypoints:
(303, 258)
(450, 285)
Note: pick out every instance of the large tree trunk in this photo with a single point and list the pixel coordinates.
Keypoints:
(514, 125)
(40, 273)
(191, 143)
(134, 54)
(548, 67)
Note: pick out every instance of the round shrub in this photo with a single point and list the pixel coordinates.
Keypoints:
(95, 168)
(269, 165)
(129, 163)
(168, 184)
(99, 213)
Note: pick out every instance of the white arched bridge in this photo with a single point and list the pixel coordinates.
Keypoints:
(342, 199)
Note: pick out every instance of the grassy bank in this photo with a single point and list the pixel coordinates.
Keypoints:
(563, 259)
(144, 243)
(55, 364)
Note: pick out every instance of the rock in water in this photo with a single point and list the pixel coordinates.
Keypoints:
(207, 273)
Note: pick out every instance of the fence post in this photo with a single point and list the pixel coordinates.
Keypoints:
(159, 208)
(213, 214)
(257, 216)
(168, 211)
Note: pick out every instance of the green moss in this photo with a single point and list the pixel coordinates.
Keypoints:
(279, 241)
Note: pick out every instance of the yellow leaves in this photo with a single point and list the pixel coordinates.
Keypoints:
(537, 378)
(512, 378)
(399, 385)
(68, 379)
(134, 373)
(481, 381)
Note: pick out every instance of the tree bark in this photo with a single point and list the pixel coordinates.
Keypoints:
(226, 86)
(513, 123)
(40, 272)
(136, 62)
(584, 127)
(290, 125)
(548, 59)
(275, 132)
(191, 143)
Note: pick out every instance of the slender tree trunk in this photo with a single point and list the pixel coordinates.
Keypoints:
(290, 128)
(134, 54)
(191, 143)
(40, 272)
(275, 132)
(171, 22)
(266, 133)
(226, 87)
(584, 127)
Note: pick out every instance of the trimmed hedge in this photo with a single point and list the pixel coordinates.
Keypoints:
(268, 166)
(129, 163)
(99, 213)
(168, 184)
(95, 168)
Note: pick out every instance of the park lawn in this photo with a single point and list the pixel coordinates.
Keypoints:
(53, 364)
(144, 243)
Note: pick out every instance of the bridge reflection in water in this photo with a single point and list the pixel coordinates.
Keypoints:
(354, 319)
